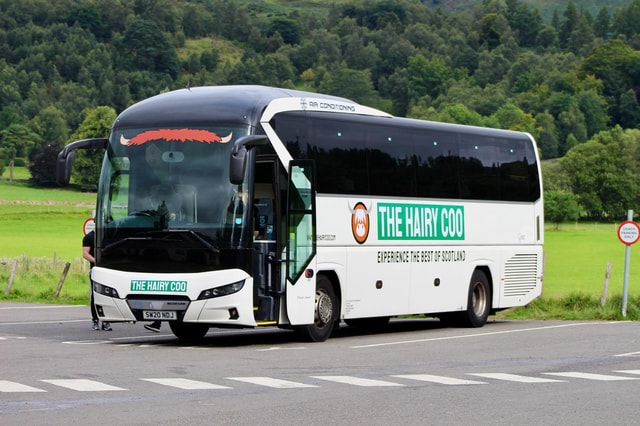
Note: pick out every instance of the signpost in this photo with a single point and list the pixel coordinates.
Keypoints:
(628, 234)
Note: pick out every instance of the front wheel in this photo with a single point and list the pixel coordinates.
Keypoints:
(325, 315)
(187, 331)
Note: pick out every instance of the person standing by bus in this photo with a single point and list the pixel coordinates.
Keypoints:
(87, 253)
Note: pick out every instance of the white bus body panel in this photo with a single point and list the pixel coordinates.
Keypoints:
(211, 311)
(413, 276)
(301, 298)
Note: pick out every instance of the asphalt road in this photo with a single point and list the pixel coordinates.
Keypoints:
(55, 370)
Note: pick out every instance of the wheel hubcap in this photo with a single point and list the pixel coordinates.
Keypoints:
(324, 308)
(479, 299)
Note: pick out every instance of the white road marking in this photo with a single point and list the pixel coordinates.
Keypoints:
(592, 376)
(83, 385)
(44, 322)
(357, 381)
(516, 378)
(23, 307)
(278, 348)
(272, 383)
(628, 371)
(439, 379)
(186, 384)
(491, 333)
(7, 386)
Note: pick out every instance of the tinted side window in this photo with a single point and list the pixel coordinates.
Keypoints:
(366, 156)
(479, 168)
(436, 156)
(391, 161)
(514, 171)
(338, 146)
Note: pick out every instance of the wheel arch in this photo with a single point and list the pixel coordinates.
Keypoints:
(487, 272)
(337, 288)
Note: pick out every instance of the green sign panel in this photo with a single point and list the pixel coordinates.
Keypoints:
(159, 285)
(420, 222)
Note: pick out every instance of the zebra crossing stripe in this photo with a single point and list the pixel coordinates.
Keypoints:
(516, 378)
(628, 371)
(592, 376)
(8, 386)
(83, 385)
(439, 379)
(186, 384)
(272, 383)
(357, 381)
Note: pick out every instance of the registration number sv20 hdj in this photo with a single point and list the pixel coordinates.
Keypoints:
(159, 315)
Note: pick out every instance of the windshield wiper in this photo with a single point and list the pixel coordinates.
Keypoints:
(149, 237)
(204, 242)
(125, 240)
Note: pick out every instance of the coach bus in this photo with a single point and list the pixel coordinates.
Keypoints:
(251, 206)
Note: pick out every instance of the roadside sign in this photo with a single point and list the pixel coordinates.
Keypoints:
(88, 226)
(629, 232)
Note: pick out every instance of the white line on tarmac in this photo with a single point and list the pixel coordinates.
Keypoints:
(492, 333)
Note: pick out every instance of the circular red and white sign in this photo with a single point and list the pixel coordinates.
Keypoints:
(88, 226)
(629, 232)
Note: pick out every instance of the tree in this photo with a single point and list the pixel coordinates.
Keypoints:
(525, 21)
(581, 38)
(427, 77)
(51, 125)
(144, 46)
(602, 25)
(547, 135)
(96, 124)
(568, 24)
(618, 66)
(629, 110)
(351, 84)
(560, 206)
(604, 173)
(16, 140)
(287, 28)
(511, 117)
(43, 166)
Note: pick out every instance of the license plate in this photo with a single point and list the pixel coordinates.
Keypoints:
(159, 315)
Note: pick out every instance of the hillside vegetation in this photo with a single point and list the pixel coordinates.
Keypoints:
(566, 72)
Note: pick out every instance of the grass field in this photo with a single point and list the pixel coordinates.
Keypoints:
(41, 230)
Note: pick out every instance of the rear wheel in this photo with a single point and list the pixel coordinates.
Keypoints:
(187, 331)
(479, 303)
(325, 315)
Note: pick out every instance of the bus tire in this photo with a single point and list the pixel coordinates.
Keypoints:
(187, 331)
(325, 312)
(479, 301)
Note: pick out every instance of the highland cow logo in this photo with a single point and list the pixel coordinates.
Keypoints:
(360, 222)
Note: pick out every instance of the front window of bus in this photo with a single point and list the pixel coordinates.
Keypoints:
(165, 197)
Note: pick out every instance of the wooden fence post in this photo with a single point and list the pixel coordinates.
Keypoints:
(62, 278)
(605, 287)
(13, 273)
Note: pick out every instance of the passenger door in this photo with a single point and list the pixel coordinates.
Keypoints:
(301, 243)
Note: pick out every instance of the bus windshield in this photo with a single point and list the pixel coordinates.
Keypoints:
(170, 187)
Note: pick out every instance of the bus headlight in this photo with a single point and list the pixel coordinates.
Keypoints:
(103, 289)
(224, 290)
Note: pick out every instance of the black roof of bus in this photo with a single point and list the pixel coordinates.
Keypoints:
(235, 105)
(240, 105)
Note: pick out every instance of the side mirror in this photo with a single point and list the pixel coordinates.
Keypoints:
(237, 165)
(64, 162)
(238, 159)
